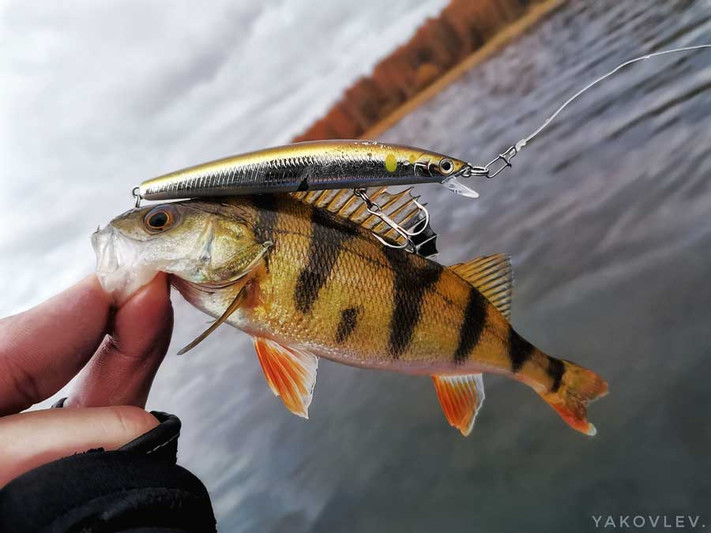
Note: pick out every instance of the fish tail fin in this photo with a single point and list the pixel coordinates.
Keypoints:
(572, 389)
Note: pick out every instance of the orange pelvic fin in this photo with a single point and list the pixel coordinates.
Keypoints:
(579, 386)
(290, 373)
(492, 276)
(460, 397)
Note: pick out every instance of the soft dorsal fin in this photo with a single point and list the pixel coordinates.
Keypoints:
(460, 398)
(290, 373)
(400, 207)
(492, 276)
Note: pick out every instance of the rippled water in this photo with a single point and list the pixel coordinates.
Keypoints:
(607, 219)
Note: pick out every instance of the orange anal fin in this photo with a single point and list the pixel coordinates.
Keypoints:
(460, 397)
(290, 373)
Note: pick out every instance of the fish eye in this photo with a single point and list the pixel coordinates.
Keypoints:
(158, 219)
(446, 166)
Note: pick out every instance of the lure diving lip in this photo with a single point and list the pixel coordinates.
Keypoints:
(308, 166)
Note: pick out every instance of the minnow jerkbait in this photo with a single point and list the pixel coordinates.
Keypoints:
(308, 166)
(304, 277)
(343, 164)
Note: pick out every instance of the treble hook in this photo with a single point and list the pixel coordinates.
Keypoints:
(375, 210)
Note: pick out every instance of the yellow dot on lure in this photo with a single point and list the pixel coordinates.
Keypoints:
(390, 162)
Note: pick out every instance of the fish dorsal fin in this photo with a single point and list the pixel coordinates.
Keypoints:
(400, 207)
(460, 398)
(290, 373)
(492, 275)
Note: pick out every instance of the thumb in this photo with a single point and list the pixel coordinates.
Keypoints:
(28, 440)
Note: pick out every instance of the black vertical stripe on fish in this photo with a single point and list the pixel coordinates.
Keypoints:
(520, 350)
(348, 323)
(328, 235)
(472, 325)
(267, 217)
(410, 285)
(556, 369)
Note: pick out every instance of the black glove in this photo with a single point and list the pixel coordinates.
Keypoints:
(138, 488)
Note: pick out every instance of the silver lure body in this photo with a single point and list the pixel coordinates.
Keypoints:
(309, 166)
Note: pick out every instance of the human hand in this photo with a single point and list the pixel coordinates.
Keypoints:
(115, 352)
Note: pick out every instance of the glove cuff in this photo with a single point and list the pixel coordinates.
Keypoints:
(138, 487)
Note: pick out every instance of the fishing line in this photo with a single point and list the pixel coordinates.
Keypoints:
(505, 157)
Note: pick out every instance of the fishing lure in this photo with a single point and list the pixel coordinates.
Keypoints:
(313, 165)
(348, 164)
(318, 166)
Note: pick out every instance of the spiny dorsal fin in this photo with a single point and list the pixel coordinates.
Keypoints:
(492, 276)
(400, 207)
(460, 398)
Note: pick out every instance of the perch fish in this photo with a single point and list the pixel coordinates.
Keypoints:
(304, 277)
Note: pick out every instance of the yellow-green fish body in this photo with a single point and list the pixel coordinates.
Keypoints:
(307, 283)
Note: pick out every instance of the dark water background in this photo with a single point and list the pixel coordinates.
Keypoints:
(607, 218)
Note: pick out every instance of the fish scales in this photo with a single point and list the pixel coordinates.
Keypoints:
(308, 283)
(410, 312)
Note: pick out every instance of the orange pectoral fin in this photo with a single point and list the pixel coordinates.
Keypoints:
(236, 303)
(460, 397)
(290, 373)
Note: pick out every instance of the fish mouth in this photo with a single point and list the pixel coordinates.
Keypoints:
(119, 267)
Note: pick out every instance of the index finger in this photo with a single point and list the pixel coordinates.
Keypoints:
(43, 348)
